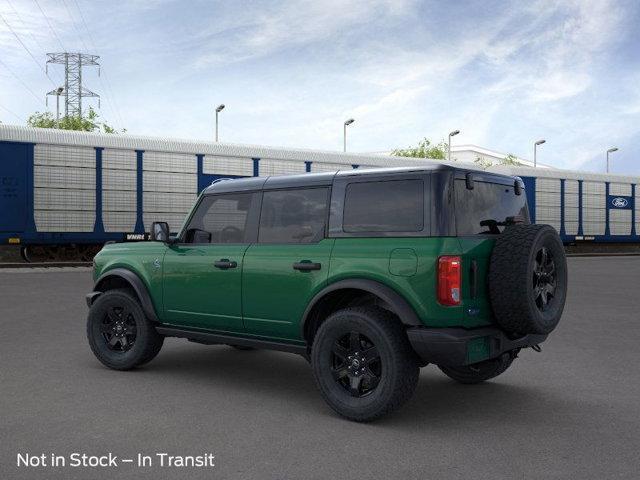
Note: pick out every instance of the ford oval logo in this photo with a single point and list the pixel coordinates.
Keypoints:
(619, 202)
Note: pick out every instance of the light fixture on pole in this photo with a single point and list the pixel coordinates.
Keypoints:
(451, 134)
(535, 151)
(219, 108)
(611, 150)
(57, 92)
(344, 137)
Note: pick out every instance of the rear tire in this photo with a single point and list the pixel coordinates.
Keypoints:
(119, 333)
(479, 372)
(363, 363)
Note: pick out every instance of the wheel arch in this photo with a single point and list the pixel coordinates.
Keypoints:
(392, 300)
(119, 277)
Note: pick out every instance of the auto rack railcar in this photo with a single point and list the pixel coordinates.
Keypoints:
(65, 193)
(581, 206)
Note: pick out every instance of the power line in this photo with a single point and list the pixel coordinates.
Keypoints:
(111, 98)
(21, 81)
(27, 49)
(50, 26)
(12, 113)
(24, 25)
(75, 27)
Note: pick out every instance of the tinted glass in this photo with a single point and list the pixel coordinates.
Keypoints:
(486, 202)
(223, 217)
(388, 206)
(293, 216)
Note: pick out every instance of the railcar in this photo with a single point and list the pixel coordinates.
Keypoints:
(63, 194)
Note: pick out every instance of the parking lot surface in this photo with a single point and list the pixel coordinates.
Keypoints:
(572, 411)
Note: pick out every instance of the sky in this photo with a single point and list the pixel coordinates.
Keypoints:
(291, 72)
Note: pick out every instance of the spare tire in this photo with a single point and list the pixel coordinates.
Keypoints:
(528, 279)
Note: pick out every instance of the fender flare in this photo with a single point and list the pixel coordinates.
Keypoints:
(399, 305)
(135, 282)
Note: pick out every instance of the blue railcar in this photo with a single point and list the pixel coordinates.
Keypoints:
(66, 193)
(582, 206)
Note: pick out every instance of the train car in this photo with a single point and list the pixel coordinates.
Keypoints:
(581, 206)
(65, 193)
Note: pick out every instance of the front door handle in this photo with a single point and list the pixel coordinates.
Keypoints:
(306, 265)
(225, 264)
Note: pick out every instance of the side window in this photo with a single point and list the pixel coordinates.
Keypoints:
(385, 206)
(293, 216)
(220, 219)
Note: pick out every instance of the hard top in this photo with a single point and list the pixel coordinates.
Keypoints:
(225, 185)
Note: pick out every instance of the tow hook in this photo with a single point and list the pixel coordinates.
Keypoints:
(536, 348)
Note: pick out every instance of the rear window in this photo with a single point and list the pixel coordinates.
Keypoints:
(386, 206)
(487, 202)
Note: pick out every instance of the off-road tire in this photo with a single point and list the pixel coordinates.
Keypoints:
(479, 372)
(515, 277)
(398, 364)
(147, 342)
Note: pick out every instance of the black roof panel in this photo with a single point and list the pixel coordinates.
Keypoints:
(324, 178)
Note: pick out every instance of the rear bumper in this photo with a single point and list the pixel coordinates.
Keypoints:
(459, 346)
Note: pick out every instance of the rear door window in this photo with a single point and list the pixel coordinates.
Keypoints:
(384, 206)
(477, 209)
(293, 216)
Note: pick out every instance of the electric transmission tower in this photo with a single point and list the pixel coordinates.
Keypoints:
(73, 90)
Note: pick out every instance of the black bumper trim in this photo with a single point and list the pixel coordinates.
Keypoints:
(449, 346)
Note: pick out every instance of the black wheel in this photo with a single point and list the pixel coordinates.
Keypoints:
(479, 372)
(119, 333)
(528, 279)
(363, 364)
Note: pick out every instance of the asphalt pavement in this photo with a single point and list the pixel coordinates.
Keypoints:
(572, 411)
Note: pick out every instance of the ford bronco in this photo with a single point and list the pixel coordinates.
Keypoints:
(369, 274)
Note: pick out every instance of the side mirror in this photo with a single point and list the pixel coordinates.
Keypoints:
(160, 232)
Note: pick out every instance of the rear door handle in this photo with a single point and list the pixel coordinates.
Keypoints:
(225, 264)
(306, 266)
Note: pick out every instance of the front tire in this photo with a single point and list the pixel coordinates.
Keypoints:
(119, 333)
(363, 363)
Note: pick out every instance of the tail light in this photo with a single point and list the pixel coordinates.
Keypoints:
(449, 280)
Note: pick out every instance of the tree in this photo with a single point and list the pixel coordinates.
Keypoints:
(88, 123)
(484, 163)
(510, 159)
(424, 150)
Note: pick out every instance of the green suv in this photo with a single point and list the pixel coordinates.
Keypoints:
(369, 274)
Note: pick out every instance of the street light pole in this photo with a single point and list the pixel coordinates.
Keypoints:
(344, 136)
(451, 134)
(59, 90)
(535, 152)
(611, 150)
(219, 108)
